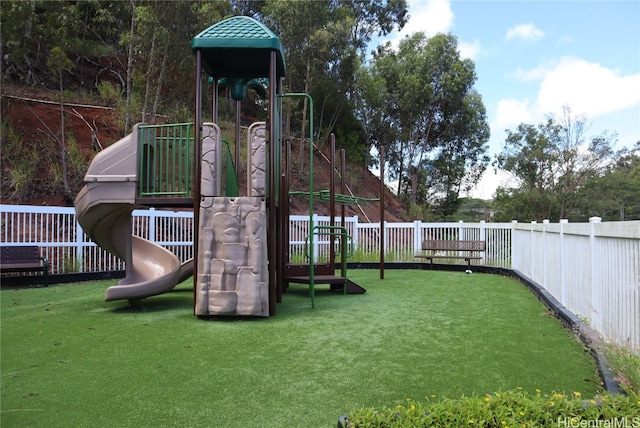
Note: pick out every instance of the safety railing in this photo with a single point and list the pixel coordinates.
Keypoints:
(165, 155)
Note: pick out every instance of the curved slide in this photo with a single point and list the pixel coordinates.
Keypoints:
(104, 207)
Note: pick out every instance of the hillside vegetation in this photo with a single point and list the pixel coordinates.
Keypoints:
(103, 66)
(31, 164)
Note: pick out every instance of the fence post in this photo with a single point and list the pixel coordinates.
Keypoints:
(152, 225)
(383, 238)
(417, 237)
(483, 237)
(514, 258)
(596, 275)
(354, 237)
(316, 240)
(545, 252)
(563, 264)
(79, 244)
(531, 253)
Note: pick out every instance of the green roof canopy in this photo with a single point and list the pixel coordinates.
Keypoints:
(239, 47)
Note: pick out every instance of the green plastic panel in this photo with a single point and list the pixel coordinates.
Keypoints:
(239, 47)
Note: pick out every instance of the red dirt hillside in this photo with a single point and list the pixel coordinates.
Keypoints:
(34, 114)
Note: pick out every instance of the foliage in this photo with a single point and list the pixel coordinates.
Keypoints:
(419, 103)
(625, 363)
(57, 63)
(136, 56)
(615, 194)
(18, 166)
(512, 408)
(324, 45)
(550, 163)
(473, 210)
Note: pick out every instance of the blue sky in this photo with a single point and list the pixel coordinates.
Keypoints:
(533, 57)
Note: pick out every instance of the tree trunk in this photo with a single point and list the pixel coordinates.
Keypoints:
(304, 118)
(156, 101)
(28, 26)
(129, 90)
(63, 147)
(150, 75)
(400, 173)
(413, 171)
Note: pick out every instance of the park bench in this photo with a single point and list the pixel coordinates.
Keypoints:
(463, 250)
(24, 258)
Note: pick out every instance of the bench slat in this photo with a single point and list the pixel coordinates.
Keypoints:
(451, 246)
(23, 259)
(438, 256)
(444, 245)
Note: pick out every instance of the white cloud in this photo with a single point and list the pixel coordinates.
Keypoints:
(588, 88)
(537, 73)
(430, 17)
(510, 112)
(525, 32)
(470, 50)
(490, 180)
(565, 40)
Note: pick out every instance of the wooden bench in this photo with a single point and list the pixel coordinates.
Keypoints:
(24, 258)
(466, 250)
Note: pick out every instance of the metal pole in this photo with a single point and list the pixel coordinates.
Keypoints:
(237, 154)
(343, 184)
(197, 149)
(283, 205)
(214, 100)
(271, 194)
(381, 212)
(332, 201)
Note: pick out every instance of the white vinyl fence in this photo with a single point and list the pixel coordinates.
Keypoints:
(593, 268)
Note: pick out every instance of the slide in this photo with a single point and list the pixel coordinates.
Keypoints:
(104, 207)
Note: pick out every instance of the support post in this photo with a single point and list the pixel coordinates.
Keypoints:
(332, 200)
(382, 212)
(237, 148)
(563, 263)
(596, 276)
(214, 100)
(271, 194)
(197, 155)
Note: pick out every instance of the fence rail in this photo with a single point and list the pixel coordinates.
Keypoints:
(593, 268)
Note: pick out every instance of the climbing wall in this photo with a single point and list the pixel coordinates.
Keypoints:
(232, 263)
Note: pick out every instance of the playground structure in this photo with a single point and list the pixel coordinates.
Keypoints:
(241, 262)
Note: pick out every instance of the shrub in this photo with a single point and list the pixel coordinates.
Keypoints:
(514, 408)
(110, 93)
(626, 365)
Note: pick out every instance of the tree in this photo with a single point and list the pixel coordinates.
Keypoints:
(614, 195)
(58, 62)
(440, 120)
(550, 163)
(324, 43)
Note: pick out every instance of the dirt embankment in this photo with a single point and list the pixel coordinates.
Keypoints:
(34, 117)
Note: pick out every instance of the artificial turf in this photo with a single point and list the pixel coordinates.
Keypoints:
(70, 359)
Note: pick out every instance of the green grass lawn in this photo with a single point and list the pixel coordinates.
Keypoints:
(69, 359)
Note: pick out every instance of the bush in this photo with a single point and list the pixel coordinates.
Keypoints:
(626, 365)
(515, 408)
